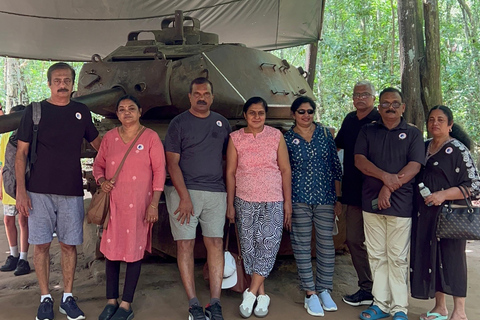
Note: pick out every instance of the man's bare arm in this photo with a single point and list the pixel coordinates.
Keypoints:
(185, 208)
(390, 180)
(23, 202)
(409, 171)
(96, 142)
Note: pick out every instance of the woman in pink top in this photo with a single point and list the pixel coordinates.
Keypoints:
(259, 198)
(134, 198)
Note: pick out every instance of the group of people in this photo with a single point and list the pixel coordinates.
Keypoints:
(385, 159)
(272, 182)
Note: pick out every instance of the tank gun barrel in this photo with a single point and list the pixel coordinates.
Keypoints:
(101, 101)
(10, 122)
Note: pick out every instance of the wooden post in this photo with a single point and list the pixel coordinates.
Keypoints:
(311, 63)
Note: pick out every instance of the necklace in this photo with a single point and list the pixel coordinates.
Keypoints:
(431, 152)
(307, 132)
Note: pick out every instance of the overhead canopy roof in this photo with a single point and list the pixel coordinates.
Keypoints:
(74, 30)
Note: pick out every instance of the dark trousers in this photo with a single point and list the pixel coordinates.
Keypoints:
(356, 245)
(112, 271)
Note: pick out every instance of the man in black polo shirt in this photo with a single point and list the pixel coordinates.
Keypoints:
(363, 100)
(389, 153)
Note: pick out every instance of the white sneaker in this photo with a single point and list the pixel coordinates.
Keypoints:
(246, 307)
(263, 301)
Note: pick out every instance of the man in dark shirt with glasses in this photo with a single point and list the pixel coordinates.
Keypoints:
(363, 100)
(389, 153)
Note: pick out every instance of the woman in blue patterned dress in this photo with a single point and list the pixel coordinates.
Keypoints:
(316, 176)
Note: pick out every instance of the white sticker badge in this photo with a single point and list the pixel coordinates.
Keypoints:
(296, 141)
(402, 135)
(140, 147)
(219, 123)
(449, 150)
(78, 115)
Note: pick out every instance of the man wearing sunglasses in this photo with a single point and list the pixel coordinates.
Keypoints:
(389, 153)
(363, 100)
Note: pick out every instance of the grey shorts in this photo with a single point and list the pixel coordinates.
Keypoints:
(54, 213)
(10, 210)
(209, 208)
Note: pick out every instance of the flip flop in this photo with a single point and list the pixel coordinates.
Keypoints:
(400, 315)
(437, 316)
(374, 312)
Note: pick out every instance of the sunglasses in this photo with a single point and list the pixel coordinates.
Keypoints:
(302, 111)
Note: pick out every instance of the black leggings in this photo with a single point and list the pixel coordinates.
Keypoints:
(112, 270)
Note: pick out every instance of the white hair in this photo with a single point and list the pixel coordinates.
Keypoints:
(366, 83)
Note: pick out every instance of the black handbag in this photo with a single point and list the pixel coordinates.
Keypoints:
(459, 221)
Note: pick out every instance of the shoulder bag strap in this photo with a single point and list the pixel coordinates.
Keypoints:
(227, 238)
(126, 154)
(238, 243)
(36, 115)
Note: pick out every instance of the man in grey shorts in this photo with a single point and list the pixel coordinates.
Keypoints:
(52, 198)
(195, 144)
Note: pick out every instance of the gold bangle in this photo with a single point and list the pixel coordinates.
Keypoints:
(151, 205)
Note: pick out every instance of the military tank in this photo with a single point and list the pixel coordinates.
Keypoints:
(157, 67)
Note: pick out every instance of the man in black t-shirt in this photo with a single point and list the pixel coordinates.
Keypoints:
(363, 100)
(52, 198)
(389, 153)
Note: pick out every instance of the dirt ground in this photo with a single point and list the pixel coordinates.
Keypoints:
(160, 294)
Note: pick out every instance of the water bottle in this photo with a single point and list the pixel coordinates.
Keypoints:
(424, 191)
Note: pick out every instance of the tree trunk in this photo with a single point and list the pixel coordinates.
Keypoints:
(15, 82)
(311, 63)
(431, 77)
(409, 61)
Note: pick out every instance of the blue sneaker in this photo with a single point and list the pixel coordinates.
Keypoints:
(313, 306)
(45, 310)
(327, 302)
(70, 308)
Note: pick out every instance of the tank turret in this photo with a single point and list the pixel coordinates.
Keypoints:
(157, 67)
(158, 72)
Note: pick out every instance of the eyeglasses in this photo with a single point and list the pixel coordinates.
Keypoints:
(363, 95)
(386, 105)
(302, 111)
(58, 82)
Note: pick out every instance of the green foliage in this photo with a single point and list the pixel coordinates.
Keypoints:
(35, 73)
(357, 45)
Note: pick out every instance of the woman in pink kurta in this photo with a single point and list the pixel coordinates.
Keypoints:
(134, 198)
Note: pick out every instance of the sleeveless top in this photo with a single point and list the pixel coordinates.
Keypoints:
(258, 177)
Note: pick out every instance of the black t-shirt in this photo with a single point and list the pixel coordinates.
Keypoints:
(390, 150)
(60, 135)
(345, 139)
